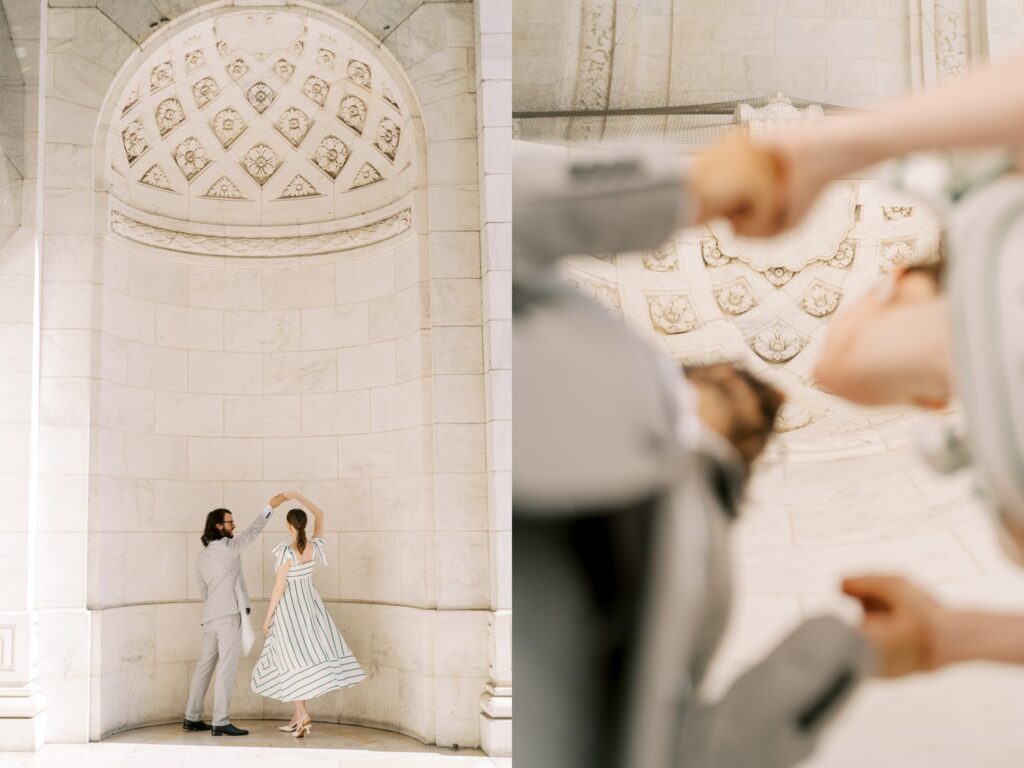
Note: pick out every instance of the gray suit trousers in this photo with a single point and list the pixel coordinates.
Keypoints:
(222, 647)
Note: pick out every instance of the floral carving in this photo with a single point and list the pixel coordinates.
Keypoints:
(156, 178)
(299, 187)
(222, 48)
(224, 189)
(712, 254)
(237, 68)
(593, 82)
(194, 60)
(672, 313)
(205, 91)
(664, 259)
(325, 58)
(169, 115)
(388, 135)
(366, 174)
(284, 69)
(316, 89)
(227, 125)
(261, 96)
(133, 99)
(331, 155)
(297, 47)
(777, 342)
(135, 141)
(896, 212)
(352, 112)
(820, 299)
(778, 276)
(301, 245)
(736, 297)
(844, 254)
(293, 124)
(261, 163)
(359, 73)
(390, 99)
(896, 253)
(191, 157)
(160, 76)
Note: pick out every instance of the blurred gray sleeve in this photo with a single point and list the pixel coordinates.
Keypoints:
(574, 203)
(775, 713)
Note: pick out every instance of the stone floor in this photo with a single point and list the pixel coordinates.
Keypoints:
(328, 746)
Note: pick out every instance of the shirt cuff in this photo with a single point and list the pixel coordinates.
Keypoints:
(267, 510)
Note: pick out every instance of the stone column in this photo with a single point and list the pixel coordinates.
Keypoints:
(21, 704)
(494, 126)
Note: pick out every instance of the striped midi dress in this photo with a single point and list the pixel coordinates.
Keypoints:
(304, 655)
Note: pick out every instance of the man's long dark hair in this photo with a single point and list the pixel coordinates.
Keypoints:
(213, 519)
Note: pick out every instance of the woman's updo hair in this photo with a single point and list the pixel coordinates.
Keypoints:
(297, 519)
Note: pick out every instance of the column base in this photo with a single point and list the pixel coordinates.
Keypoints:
(22, 719)
(496, 721)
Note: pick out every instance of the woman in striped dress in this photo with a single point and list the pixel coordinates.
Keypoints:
(304, 655)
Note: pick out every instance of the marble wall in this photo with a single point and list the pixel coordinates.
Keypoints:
(174, 382)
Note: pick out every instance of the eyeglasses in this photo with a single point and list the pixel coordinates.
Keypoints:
(228, 524)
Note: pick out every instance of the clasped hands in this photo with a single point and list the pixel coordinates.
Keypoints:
(281, 498)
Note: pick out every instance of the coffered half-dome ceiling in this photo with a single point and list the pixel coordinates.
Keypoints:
(261, 118)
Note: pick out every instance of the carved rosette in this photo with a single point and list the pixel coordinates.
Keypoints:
(672, 314)
(194, 60)
(293, 124)
(205, 91)
(778, 276)
(169, 115)
(237, 69)
(133, 99)
(316, 89)
(777, 342)
(284, 69)
(665, 259)
(325, 58)
(227, 125)
(299, 187)
(844, 255)
(135, 142)
(712, 254)
(736, 297)
(222, 48)
(352, 112)
(820, 299)
(896, 253)
(260, 163)
(156, 178)
(191, 157)
(260, 96)
(388, 135)
(331, 155)
(897, 212)
(224, 189)
(298, 47)
(359, 73)
(160, 76)
(366, 175)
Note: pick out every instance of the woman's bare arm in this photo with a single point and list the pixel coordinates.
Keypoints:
(278, 592)
(318, 515)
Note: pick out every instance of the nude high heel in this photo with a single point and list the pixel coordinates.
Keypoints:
(302, 730)
(287, 728)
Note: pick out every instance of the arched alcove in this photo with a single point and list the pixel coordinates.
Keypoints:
(262, 295)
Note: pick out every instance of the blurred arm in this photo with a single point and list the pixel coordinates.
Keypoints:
(577, 203)
(250, 534)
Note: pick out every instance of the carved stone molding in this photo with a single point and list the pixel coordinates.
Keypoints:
(845, 254)
(227, 125)
(224, 189)
(896, 212)
(896, 253)
(712, 254)
(594, 74)
(367, 174)
(736, 297)
(298, 245)
(777, 342)
(294, 124)
(157, 179)
(672, 313)
(352, 112)
(820, 299)
(778, 276)
(665, 259)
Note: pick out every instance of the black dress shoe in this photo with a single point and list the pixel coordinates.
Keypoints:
(195, 725)
(229, 730)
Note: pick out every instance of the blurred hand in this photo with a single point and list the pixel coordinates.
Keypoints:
(763, 187)
(278, 500)
(291, 495)
(901, 622)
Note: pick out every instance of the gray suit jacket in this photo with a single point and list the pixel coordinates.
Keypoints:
(219, 570)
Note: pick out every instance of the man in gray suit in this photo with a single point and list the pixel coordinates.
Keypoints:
(225, 619)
